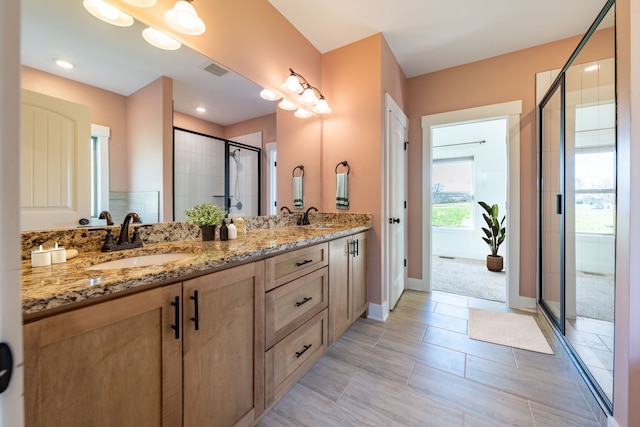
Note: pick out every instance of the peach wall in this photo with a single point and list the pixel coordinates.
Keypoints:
(500, 79)
(299, 143)
(352, 80)
(184, 121)
(107, 109)
(149, 140)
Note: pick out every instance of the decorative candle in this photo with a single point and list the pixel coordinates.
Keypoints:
(58, 254)
(40, 258)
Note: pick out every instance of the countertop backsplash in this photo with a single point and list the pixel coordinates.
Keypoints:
(90, 239)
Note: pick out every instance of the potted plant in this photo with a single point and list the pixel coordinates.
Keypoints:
(207, 216)
(495, 235)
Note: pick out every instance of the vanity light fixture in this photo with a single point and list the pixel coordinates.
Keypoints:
(302, 113)
(159, 39)
(108, 13)
(269, 95)
(64, 63)
(285, 104)
(184, 18)
(141, 3)
(309, 95)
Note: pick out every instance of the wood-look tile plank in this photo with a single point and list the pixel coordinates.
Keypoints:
(545, 416)
(394, 406)
(485, 403)
(488, 304)
(471, 421)
(432, 319)
(555, 365)
(449, 298)
(416, 299)
(464, 344)
(394, 368)
(432, 355)
(328, 377)
(539, 387)
(452, 310)
(364, 333)
(302, 407)
(404, 328)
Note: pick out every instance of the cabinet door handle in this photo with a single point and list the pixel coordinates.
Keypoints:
(306, 261)
(304, 301)
(357, 245)
(303, 351)
(176, 325)
(196, 317)
(352, 248)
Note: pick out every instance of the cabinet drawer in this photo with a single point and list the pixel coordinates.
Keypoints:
(288, 360)
(287, 267)
(290, 305)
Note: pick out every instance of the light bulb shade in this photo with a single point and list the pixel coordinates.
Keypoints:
(302, 113)
(141, 3)
(183, 18)
(160, 40)
(287, 105)
(322, 107)
(107, 13)
(309, 96)
(292, 84)
(269, 95)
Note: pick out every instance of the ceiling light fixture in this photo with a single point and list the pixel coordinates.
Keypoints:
(308, 95)
(160, 40)
(184, 18)
(64, 63)
(107, 13)
(141, 3)
(201, 110)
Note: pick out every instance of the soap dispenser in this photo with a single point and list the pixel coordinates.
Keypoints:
(224, 231)
(233, 232)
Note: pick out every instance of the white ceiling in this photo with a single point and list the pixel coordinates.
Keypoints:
(431, 35)
(425, 35)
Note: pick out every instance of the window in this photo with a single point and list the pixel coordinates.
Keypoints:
(453, 192)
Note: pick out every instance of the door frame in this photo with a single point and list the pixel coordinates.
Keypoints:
(391, 107)
(512, 111)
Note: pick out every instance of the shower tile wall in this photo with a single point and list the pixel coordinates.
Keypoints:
(247, 184)
(199, 171)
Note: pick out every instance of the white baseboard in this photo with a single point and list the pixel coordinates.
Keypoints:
(416, 284)
(611, 422)
(528, 304)
(378, 312)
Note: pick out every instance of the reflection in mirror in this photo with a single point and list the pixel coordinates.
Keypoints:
(114, 69)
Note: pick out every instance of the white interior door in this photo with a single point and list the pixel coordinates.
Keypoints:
(55, 164)
(396, 136)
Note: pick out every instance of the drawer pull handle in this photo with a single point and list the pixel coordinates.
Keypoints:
(306, 261)
(196, 318)
(303, 351)
(176, 326)
(304, 301)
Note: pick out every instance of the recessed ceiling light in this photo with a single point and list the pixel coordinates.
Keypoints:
(201, 110)
(592, 67)
(64, 63)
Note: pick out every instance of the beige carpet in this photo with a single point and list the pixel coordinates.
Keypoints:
(514, 330)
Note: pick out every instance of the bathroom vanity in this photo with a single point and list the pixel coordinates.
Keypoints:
(214, 338)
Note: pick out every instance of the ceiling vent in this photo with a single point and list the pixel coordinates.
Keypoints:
(216, 69)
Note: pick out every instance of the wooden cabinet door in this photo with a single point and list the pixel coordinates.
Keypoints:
(358, 275)
(116, 363)
(223, 353)
(339, 292)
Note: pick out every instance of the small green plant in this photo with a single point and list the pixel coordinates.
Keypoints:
(495, 232)
(206, 214)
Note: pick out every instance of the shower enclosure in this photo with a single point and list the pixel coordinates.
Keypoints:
(577, 202)
(215, 170)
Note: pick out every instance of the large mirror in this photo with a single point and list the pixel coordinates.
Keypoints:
(113, 66)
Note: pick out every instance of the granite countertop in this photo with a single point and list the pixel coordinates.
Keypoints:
(59, 286)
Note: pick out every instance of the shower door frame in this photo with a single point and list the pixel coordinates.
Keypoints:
(227, 168)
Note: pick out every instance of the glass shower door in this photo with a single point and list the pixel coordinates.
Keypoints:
(551, 189)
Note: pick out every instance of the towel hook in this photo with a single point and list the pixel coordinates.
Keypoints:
(345, 164)
(301, 167)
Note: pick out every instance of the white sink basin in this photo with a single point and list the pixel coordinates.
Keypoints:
(139, 261)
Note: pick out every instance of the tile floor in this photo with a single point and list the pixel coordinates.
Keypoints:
(419, 368)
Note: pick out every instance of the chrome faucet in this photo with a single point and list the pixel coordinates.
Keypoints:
(106, 215)
(305, 217)
(123, 238)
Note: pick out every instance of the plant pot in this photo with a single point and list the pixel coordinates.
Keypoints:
(494, 263)
(208, 232)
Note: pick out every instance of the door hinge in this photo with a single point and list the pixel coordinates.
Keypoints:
(405, 145)
(275, 164)
(405, 262)
(275, 203)
(405, 204)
